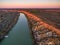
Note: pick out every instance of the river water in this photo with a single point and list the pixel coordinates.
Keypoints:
(20, 33)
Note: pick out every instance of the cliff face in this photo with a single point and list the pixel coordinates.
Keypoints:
(43, 33)
(7, 21)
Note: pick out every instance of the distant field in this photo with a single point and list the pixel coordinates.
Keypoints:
(49, 16)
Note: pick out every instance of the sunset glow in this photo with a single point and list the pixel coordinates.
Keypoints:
(30, 4)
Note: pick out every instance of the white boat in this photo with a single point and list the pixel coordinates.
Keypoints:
(6, 36)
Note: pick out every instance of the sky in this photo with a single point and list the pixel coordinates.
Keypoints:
(29, 3)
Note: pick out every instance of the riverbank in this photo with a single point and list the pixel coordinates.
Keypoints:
(51, 17)
(40, 33)
(7, 21)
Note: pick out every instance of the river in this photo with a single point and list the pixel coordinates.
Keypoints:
(19, 34)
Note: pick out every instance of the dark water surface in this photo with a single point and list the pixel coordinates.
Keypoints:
(20, 33)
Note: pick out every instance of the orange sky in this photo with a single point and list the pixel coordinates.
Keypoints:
(30, 4)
